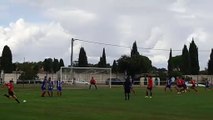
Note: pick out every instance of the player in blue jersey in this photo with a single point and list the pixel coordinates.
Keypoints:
(207, 84)
(59, 87)
(168, 84)
(50, 87)
(44, 86)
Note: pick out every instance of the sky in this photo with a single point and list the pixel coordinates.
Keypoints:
(39, 29)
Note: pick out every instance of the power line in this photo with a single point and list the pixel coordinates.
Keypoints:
(109, 44)
(100, 43)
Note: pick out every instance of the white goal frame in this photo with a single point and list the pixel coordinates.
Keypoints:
(89, 72)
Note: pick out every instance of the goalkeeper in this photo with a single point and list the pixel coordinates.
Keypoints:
(93, 82)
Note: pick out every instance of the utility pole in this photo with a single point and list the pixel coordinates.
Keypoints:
(71, 55)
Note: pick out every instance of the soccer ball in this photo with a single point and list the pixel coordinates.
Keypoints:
(24, 101)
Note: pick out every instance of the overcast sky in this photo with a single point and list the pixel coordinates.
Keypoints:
(37, 29)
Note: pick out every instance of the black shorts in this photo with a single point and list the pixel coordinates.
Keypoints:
(179, 86)
(168, 86)
(11, 93)
(184, 86)
(193, 86)
(149, 88)
(126, 90)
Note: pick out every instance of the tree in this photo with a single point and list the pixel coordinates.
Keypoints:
(29, 70)
(123, 63)
(56, 65)
(134, 65)
(134, 50)
(186, 65)
(193, 53)
(114, 67)
(61, 63)
(48, 65)
(6, 60)
(102, 62)
(82, 60)
(176, 62)
(170, 64)
(210, 64)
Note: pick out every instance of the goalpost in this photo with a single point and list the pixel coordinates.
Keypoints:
(67, 74)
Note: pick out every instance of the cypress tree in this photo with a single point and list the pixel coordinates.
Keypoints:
(6, 60)
(102, 62)
(193, 53)
(56, 65)
(186, 65)
(170, 65)
(82, 60)
(210, 64)
(61, 63)
(134, 50)
(114, 67)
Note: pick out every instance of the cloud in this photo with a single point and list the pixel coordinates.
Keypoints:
(179, 6)
(161, 24)
(34, 42)
(75, 16)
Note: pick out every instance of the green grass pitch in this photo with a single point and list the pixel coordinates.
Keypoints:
(107, 104)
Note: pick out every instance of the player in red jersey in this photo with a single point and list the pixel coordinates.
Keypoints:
(149, 87)
(93, 82)
(193, 85)
(178, 85)
(184, 87)
(11, 92)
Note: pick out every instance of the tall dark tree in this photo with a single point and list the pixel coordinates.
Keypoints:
(134, 50)
(48, 65)
(82, 60)
(114, 67)
(134, 65)
(102, 62)
(176, 63)
(186, 64)
(56, 65)
(61, 62)
(123, 63)
(193, 53)
(210, 64)
(6, 60)
(170, 64)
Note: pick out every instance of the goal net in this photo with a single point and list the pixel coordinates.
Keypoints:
(82, 75)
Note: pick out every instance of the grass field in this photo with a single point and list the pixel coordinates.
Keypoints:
(107, 104)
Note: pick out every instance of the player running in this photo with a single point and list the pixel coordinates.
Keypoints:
(11, 92)
(168, 84)
(193, 85)
(178, 85)
(149, 87)
(184, 86)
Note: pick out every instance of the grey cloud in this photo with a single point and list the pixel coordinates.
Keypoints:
(154, 24)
